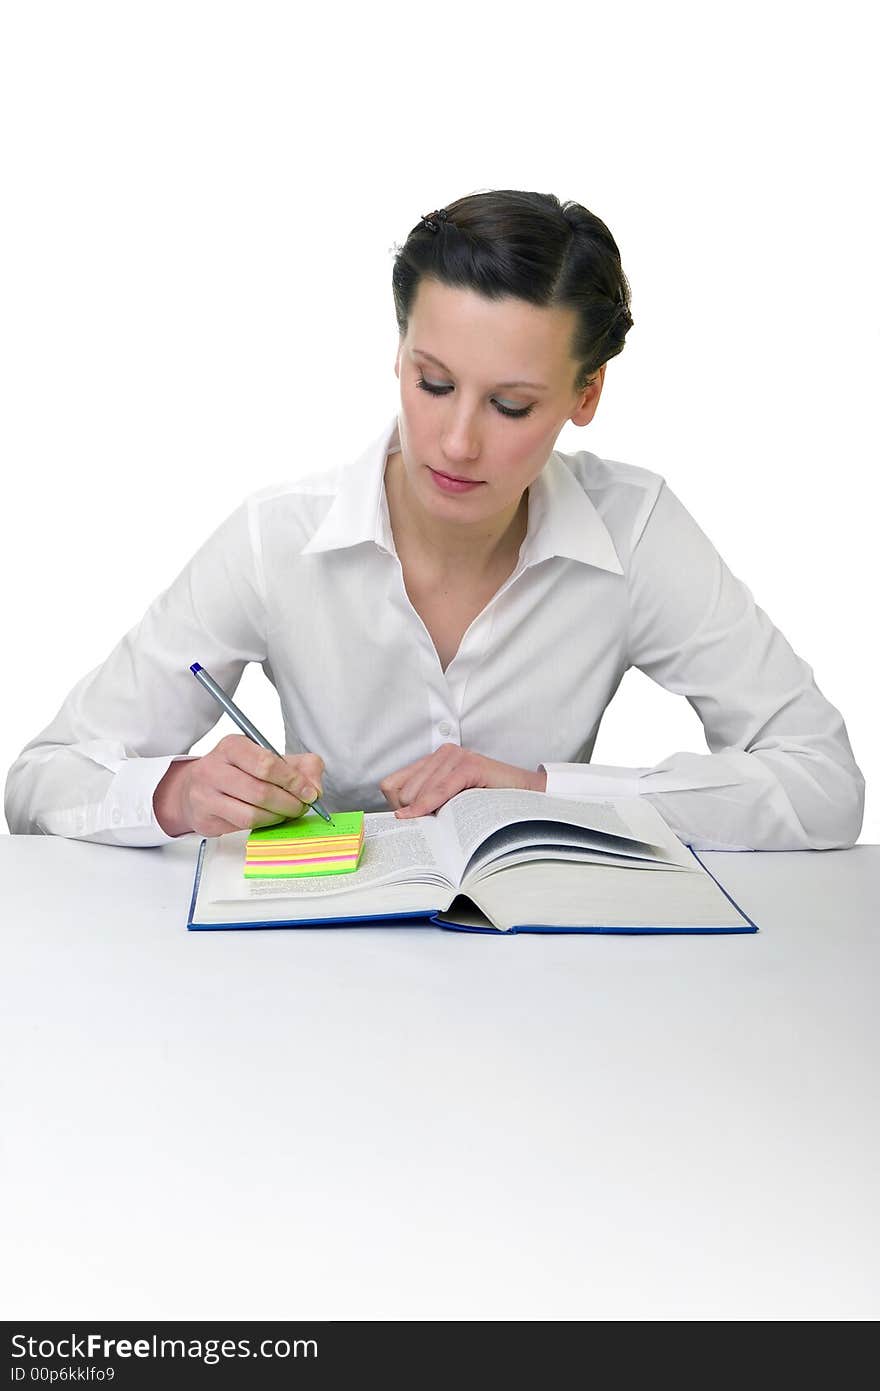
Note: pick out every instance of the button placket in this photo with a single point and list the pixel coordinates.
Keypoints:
(446, 689)
(474, 646)
(440, 712)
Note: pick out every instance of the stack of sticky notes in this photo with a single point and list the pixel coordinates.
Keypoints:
(307, 846)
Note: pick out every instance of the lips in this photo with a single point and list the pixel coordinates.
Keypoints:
(455, 477)
(450, 485)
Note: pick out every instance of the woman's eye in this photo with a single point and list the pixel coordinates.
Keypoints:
(442, 388)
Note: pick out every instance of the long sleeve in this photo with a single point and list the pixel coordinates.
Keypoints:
(780, 774)
(91, 773)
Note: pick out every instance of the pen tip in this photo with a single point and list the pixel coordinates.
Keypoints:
(196, 666)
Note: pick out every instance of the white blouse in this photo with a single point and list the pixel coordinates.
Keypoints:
(304, 579)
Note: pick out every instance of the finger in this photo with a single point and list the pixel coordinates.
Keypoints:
(265, 796)
(404, 785)
(390, 786)
(434, 795)
(413, 787)
(455, 770)
(224, 814)
(442, 763)
(309, 765)
(266, 766)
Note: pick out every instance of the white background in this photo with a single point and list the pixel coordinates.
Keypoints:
(200, 207)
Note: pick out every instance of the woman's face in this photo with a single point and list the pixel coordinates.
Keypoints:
(459, 424)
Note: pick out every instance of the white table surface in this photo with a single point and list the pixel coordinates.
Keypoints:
(402, 1122)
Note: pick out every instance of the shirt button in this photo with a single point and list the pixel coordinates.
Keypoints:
(444, 728)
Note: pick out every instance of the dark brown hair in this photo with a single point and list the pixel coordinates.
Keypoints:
(530, 245)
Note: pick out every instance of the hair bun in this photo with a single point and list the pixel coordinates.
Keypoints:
(432, 220)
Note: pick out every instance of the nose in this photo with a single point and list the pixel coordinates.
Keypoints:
(461, 441)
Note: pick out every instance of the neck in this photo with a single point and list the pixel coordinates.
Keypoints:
(468, 548)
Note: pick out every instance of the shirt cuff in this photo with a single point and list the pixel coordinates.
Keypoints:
(591, 780)
(129, 802)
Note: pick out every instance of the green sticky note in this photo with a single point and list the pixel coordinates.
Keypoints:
(344, 823)
(305, 847)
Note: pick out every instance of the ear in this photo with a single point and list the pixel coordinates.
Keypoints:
(589, 398)
(397, 360)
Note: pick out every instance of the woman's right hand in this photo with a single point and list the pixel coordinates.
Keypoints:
(237, 786)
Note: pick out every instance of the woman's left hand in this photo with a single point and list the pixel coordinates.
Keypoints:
(423, 786)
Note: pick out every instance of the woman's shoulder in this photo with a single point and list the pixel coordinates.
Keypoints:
(317, 483)
(300, 502)
(623, 494)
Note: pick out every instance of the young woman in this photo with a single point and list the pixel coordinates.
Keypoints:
(457, 607)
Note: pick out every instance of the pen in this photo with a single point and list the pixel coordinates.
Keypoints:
(244, 723)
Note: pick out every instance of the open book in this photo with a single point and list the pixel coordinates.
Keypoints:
(491, 861)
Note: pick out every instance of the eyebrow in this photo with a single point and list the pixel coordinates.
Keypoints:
(535, 386)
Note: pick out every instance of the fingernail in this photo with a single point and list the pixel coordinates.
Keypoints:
(307, 793)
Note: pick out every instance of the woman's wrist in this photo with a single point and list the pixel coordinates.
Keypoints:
(535, 781)
(168, 802)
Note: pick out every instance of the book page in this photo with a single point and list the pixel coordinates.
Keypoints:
(497, 860)
(623, 825)
(596, 896)
(394, 852)
(533, 836)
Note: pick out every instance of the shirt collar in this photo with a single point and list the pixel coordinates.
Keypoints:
(562, 519)
(359, 511)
